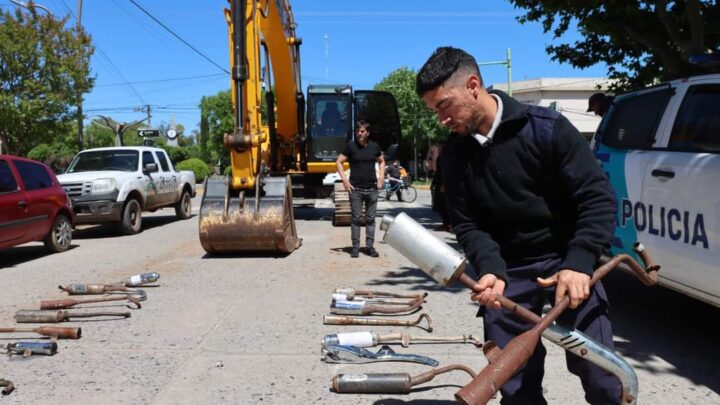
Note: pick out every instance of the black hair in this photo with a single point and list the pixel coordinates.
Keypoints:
(441, 65)
(363, 124)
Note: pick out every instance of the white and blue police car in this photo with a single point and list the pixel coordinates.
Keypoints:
(660, 148)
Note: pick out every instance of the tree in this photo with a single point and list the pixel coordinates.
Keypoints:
(642, 42)
(220, 121)
(418, 123)
(43, 67)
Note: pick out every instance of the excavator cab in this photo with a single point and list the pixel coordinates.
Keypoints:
(333, 110)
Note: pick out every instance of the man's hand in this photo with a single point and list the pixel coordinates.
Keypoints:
(486, 289)
(574, 284)
(347, 185)
(380, 183)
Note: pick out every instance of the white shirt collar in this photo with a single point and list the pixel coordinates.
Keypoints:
(484, 140)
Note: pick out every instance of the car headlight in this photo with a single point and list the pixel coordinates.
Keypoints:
(103, 185)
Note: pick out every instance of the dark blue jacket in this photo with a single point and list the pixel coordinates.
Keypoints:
(535, 192)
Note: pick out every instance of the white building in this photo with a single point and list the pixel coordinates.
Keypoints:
(569, 96)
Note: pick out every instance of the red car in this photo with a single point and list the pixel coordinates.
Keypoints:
(33, 205)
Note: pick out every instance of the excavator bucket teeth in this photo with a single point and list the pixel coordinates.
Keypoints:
(232, 223)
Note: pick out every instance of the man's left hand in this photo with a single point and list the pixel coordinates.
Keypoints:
(380, 184)
(574, 284)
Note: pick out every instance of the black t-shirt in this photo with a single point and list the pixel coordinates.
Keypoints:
(393, 171)
(362, 163)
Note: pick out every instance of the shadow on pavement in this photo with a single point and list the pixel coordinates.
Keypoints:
(656, 323)
(21, 254)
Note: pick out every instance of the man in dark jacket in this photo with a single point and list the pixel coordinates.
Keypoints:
(532, 210)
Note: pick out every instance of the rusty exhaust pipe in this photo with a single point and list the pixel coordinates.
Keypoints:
(370, 339)
(387, 383)
(70, 302)
(352, 293)
(39, 316)
(364, 308)
(353, 320)
(7, 385)
(51, 331)
(97, 289)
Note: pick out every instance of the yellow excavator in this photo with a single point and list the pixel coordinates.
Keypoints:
(288, 152)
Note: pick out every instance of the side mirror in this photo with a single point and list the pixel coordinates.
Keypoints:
(150, 168)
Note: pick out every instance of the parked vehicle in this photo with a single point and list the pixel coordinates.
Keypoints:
(117, 184)
(660, 147)
(33, 205)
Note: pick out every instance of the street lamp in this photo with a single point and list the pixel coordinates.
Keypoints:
(30, 6)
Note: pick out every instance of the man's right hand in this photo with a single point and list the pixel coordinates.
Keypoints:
(486, 290)
(348, 186)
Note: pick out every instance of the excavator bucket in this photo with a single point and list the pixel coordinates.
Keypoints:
(236, 223)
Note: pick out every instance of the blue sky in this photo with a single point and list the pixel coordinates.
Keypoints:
(137, 62)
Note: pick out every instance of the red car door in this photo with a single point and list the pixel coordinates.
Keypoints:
(41, 197)
(13, 204)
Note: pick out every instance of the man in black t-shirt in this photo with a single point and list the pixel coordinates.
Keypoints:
(363, 185)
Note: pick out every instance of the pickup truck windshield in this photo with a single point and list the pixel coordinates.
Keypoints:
(121, 160)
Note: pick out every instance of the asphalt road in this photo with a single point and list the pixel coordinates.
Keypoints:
(247, 330)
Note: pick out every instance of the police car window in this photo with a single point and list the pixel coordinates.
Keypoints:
(7, 180)
(33, 175)
(697, 125)
(633, 119)
(163, 161)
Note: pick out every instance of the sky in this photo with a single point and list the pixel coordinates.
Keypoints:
(137, 62)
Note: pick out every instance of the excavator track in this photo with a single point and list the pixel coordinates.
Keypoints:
(342, 214)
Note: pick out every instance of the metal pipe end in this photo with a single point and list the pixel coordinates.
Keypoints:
(387, 219)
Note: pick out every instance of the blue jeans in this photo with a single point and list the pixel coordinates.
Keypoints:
(590, 318)
(367, 197)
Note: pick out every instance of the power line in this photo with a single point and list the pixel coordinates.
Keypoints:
(178, 37)
(164, 80)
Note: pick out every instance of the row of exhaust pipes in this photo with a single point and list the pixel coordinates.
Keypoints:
(446, 266)
(352, 347)
(53, 311)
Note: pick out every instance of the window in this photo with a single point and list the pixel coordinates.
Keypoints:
(147, 159)
(697, 125)
(7, 180)
(163, 161)
(633, 119)
(112, 159)
(34, 175)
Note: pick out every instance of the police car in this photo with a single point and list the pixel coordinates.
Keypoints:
(660, 148)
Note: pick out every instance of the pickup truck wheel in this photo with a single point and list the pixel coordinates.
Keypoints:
(183, 208)
(131, 220)
(59, 237)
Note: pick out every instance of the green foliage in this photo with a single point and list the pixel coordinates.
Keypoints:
(420, 127)
(218, 111)
(57, 155)
(98, 135)
(43, 68)
(197, 166)
(642, 42)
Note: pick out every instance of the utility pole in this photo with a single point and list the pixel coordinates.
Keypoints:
(508, 65)
(147, 109)
(81, 135)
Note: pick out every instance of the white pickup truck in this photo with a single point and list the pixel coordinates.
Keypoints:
(116, 184)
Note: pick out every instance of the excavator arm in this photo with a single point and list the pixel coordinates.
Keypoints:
(252, 211)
